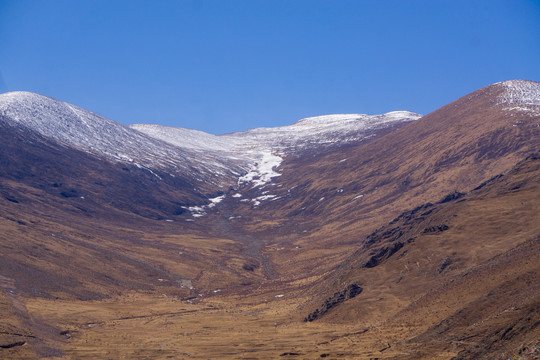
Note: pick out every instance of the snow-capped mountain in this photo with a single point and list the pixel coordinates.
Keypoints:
(242, 158)
(84, 130)
(248, 156)
(262, 149)
(306, 133)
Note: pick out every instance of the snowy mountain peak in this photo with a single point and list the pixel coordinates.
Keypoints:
(14, 95)
(402, 114)
(61, 121)
(520, 92)
(259, 151)
(337, 118)
(89, 132)
(243, 158)
(252, 145)
(333, 118)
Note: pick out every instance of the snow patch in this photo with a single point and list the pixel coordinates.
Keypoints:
(250, 150)
(196, 211)
(217, 200)
(263, 171)
(200, 211)
(524, 94)
(265, 197)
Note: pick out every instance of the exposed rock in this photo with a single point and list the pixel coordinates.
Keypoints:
(452, 196)
(70, 193)
(447, 262)
(11, 345)
(290, 354)
(383, 254)
(487, 182)
(250, 267)
(348, 293)
(436, 229)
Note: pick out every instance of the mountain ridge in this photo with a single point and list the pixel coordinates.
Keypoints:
(400, 236)
(150, 145)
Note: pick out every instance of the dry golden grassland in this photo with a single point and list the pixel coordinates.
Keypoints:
(157, 327)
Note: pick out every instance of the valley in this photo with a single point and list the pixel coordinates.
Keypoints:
(394, 236)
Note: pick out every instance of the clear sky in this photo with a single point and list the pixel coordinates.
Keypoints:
(230, 65)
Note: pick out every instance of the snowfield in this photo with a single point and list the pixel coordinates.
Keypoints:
(262, 171)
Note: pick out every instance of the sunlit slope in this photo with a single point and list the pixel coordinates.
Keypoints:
(467, 266)
(321, 203)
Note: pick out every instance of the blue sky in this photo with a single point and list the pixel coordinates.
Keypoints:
(228, 65)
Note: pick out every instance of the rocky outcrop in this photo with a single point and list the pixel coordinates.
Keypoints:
(348, 293)
(12, 345)
(436, 229)
(452, 196)
(383, 254)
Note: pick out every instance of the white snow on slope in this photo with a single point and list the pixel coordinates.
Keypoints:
(319, 130)
(520, 95)
(259, 150)
(217, 200)
(82, 129)
(308, 132)
(200, 211)
(184, 138)
(247, 158)
(262, 171)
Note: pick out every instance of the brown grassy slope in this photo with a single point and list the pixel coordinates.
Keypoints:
(53, 245)
(465, 278)
(455, 147)
(13, 335)
(334, 201)
(72, 224)
(70, 176)
(49, 251)
(412, 307)
(80, 260)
